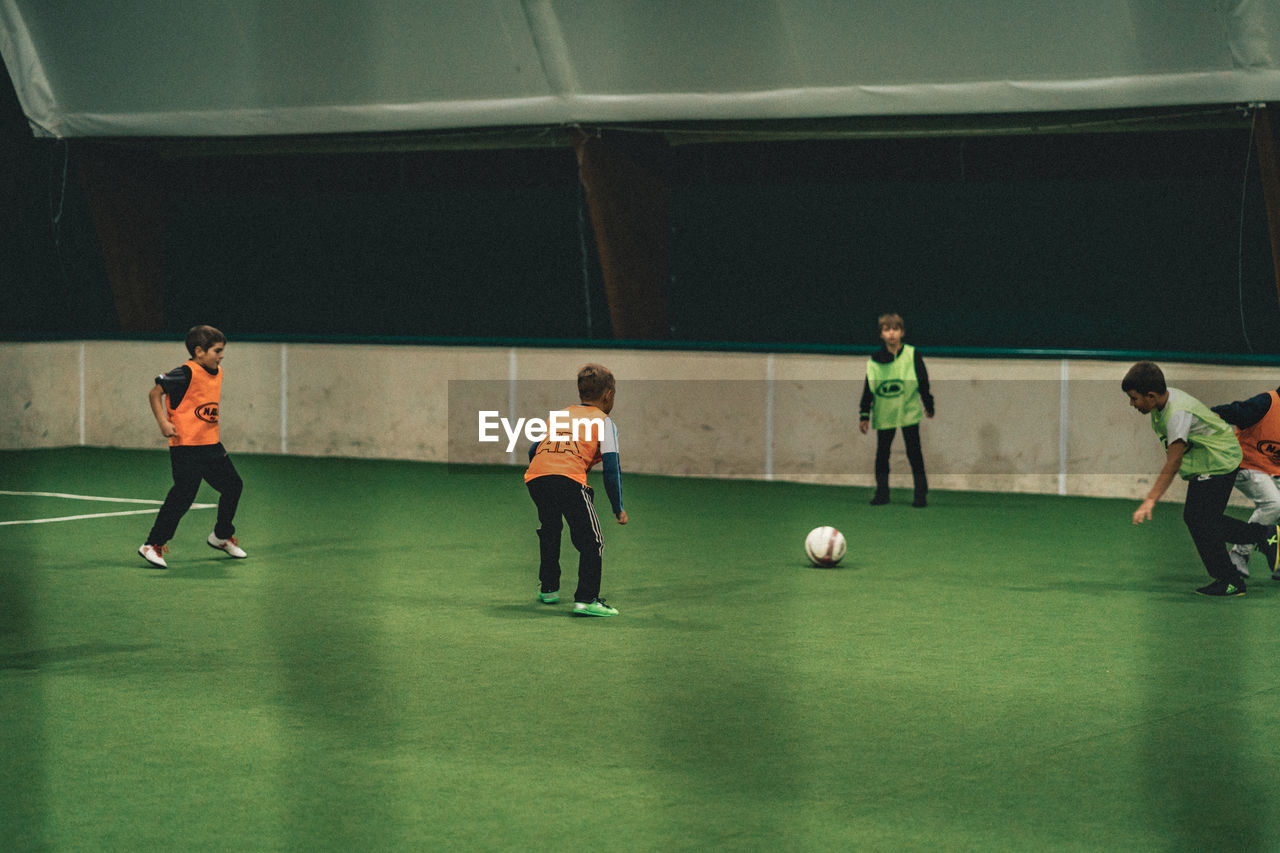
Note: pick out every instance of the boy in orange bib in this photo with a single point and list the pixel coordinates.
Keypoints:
(185, 403)
(557, 482)
(1257, 423)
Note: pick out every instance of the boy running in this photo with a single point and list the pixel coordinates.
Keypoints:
(1202, 449)
(185, 404)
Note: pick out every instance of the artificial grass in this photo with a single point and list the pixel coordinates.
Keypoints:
(993, 672)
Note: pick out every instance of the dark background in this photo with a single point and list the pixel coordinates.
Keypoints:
(1152, 241)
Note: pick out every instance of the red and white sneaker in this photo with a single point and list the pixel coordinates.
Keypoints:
(230, 545)
(154, 554)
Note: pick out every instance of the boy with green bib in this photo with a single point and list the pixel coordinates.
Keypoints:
(1202, 449)
(896, 394)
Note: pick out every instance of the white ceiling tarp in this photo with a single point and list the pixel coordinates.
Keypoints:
(89, 68)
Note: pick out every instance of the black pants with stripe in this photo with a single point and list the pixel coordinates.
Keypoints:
(190, 465)
(560, 498)
(1211, 529)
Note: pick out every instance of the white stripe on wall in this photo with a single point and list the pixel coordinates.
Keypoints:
(1063, 400)
(512, 455)
(82, 401)
(284, 398)
(768, 418)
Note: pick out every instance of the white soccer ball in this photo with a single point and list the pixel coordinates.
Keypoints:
(825, 546)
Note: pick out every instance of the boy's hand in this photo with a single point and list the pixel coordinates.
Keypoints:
(167, 429)
(1143, 512)
(864, 427)
(622, 517)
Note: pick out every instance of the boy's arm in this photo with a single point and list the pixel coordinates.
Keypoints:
(156, 398)
(612, 470)
(1244, 413)
(1172, 461)
(864, 406)
(922, 381)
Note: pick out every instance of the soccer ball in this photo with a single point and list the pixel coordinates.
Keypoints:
(825, 546)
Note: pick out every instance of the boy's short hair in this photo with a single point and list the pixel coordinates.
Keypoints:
(593, 381)
(203, 337)
(1145, 377)
(889, 321)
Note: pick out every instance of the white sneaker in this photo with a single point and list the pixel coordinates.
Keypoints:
(230, 545)
(1240, 561)
(154, 554)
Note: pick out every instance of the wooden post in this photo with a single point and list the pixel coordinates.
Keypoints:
(1269, 170)
(126, 201)
(629, 215)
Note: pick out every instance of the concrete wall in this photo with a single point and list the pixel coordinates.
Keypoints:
(1048, 426)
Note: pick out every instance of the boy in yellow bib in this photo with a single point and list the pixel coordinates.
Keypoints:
(896, 394)
(1202, 449)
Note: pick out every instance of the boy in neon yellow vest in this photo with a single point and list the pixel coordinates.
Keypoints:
(1202, 449)
(896, 394)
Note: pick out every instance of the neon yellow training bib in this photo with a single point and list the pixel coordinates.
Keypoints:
(896, 390)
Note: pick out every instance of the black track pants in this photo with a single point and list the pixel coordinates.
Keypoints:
(562, 498)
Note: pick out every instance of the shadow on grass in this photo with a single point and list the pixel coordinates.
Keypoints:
(532, 610)
(34, 660)
(209, 568)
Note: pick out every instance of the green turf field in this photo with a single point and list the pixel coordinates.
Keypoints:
(995, 672)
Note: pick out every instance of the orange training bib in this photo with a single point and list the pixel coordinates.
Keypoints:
(196, 417)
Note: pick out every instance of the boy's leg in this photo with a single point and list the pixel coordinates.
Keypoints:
(1262, 490)
(1275, 569)
(186, 482)
(1263, 535)
(911, 436)
(884, 443)
(548, 502)
(1210, 529)
(584, 531)
(220, 473)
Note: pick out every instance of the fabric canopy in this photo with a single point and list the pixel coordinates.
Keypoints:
(105, 68)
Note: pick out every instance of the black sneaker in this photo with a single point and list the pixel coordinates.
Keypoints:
(1222, 588)
(879, 499)
(1271, 550)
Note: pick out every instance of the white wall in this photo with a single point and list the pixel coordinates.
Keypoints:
(1047, 426)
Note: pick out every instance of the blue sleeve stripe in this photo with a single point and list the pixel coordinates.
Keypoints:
(612, 470)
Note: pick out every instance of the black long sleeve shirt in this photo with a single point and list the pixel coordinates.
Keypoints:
(1244, 413)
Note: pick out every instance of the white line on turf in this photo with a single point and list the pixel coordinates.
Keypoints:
(80, 497)
(87, 498)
